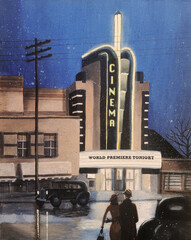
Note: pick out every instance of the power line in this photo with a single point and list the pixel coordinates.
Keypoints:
(14, 60)
(82, 52)
(139, 49)
(85, 38)
(76, 53)
(12, 47)
(145, 54)
(168, 33)
(77, 38)
(160, 54)
(95, 43)
(9, 41)
(12, 55)
(152, 39)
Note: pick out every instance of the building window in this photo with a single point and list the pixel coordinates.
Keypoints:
(108, 179)
(91, 175)
(130, 178)
(22, 145)
(177, 182)
(119, 174)
(1, 144)
(144, 125)
(108, 173)
(188, 182)
(172, 182)
(77, 107)
(40, 144)
(9, 142)
(91, 183)
(49, 145)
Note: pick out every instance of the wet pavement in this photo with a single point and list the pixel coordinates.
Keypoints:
(23, 221)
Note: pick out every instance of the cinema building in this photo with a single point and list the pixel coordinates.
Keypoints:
(112, 100)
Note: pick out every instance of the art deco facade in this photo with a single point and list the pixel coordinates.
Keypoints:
(112, 100)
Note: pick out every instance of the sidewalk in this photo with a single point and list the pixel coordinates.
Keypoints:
(24, 197)
(17, 197)
(137, 196)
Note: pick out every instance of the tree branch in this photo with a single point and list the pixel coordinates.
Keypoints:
(181, 136)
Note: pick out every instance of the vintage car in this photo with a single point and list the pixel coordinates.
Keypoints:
(172, 221)
(73, 190)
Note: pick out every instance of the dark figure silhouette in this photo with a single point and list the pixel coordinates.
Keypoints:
(113, 208)
(128, 217)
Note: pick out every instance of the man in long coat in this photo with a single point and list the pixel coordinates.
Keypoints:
(128, 217)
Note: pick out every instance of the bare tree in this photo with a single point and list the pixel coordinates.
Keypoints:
(181, 136)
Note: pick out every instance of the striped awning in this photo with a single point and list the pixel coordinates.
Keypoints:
(7, 172)
(46, 170)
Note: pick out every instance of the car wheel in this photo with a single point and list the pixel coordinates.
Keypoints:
(55, 201)
(165, 232)
(145, 235)
(83, 199)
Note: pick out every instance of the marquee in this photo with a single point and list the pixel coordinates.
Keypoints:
(120, 159)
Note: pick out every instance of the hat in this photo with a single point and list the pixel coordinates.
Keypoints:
(128, 193)
(113, 196)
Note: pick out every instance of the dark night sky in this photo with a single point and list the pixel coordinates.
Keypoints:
(159, 32)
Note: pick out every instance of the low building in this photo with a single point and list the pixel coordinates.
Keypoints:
(58, 134)
(176, 176)
(175, 171)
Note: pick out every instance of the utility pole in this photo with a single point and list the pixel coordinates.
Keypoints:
(36, 59)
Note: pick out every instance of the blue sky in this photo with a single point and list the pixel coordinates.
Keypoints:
(159, 32)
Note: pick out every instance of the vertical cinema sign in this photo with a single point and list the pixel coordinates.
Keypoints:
(112, 104)
(111, 97)
(109, 93)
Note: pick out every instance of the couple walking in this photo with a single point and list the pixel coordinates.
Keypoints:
(124, 217)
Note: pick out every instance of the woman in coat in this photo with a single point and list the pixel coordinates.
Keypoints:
(113, 208)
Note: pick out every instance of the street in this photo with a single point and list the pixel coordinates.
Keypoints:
(23, 221)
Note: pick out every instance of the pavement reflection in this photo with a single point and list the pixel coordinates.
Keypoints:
(73, 211)
(24, 221)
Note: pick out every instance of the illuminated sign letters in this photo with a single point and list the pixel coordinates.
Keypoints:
(111, 97)
(112, 68)
(108, 93)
